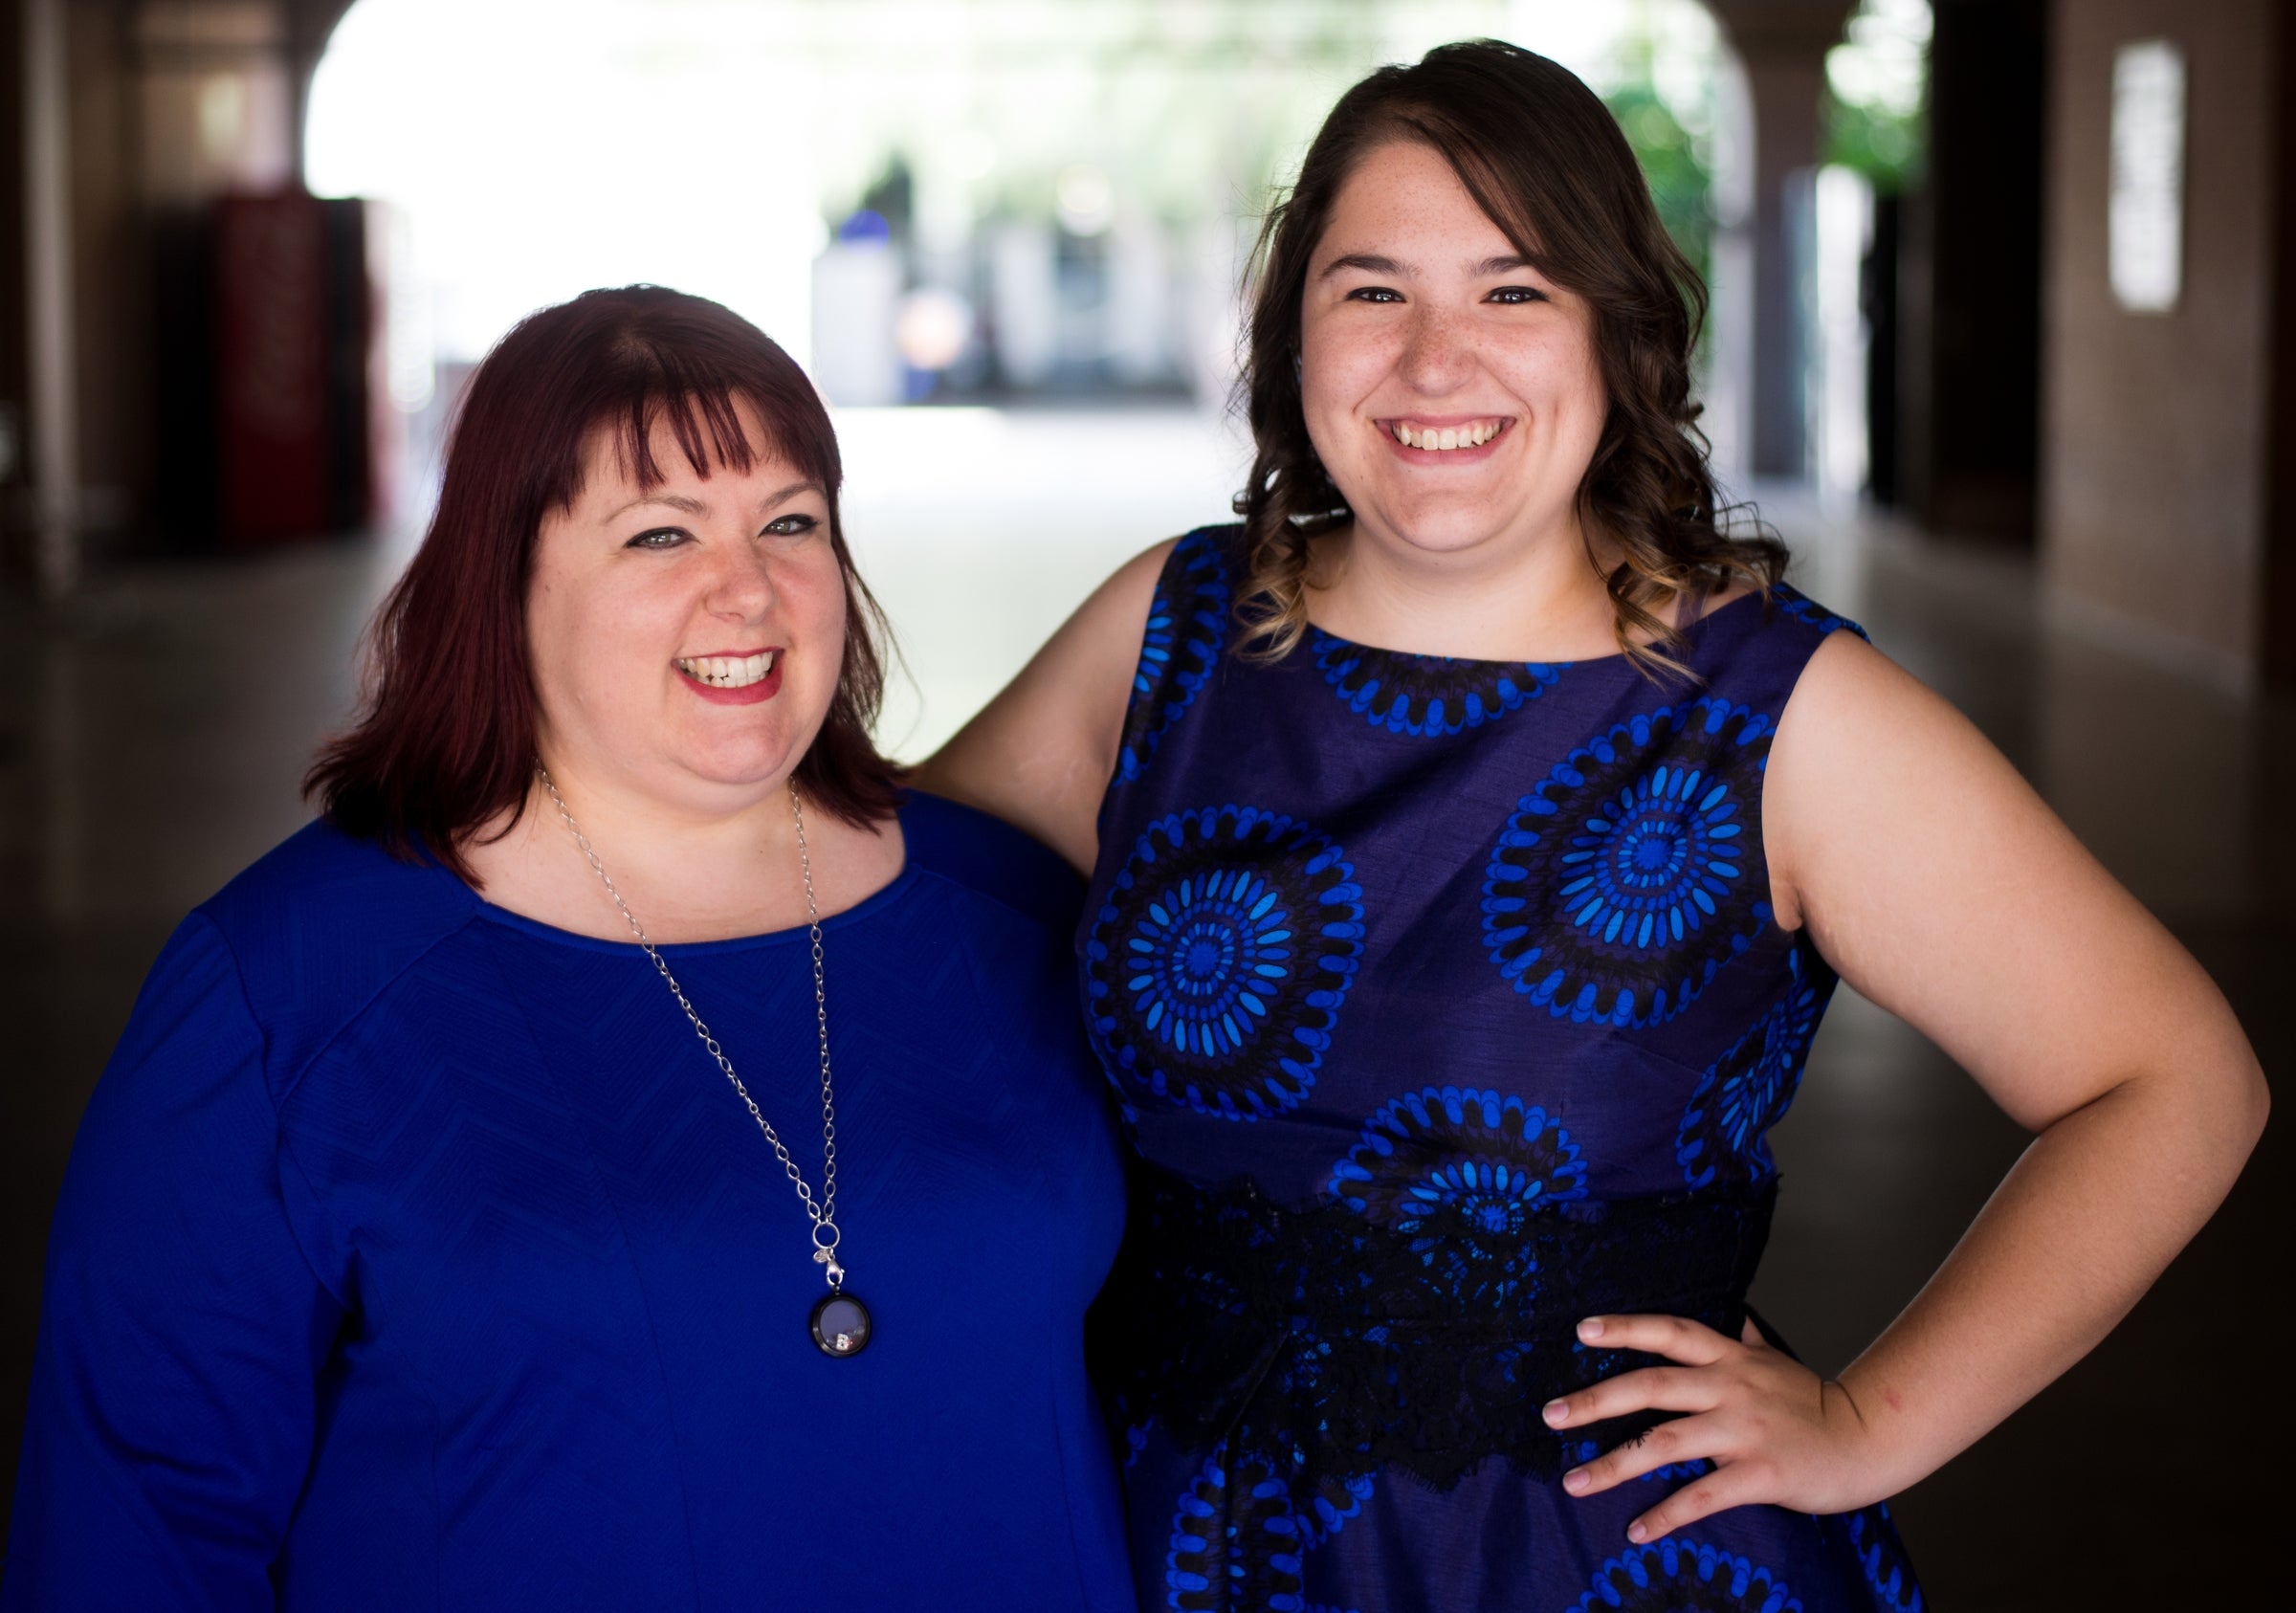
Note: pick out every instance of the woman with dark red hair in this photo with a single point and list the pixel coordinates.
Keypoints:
(627, 1154)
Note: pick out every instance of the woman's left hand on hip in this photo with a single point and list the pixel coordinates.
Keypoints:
(1775, 1431)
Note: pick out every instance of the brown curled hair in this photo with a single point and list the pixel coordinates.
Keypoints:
(1544, 159)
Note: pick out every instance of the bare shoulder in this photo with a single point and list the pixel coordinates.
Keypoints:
(1120, 603)
(1040, 754)
(1848, 678)
(1861, 739)
(1937, 882)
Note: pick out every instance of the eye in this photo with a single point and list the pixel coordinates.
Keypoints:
(791, 525)
(1516, 294)
(1375, 294)
(660, 538)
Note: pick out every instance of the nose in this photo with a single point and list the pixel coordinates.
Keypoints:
(1438, 354)
(740, 586)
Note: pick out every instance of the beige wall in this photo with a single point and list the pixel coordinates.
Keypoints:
(2154, 426)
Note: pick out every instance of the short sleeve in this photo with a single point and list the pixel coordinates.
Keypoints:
(182, 1329)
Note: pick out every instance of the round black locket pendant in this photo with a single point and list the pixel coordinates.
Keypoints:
(841, 1325)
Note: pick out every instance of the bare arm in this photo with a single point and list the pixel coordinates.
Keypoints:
(1939, 884)
(1039, 755)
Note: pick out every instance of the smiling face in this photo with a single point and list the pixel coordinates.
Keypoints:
(686, 639)
(1452, 392)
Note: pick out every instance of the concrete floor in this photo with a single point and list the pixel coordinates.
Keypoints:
(152, 735)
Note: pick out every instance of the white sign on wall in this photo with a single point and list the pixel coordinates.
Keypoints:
(2146, 221)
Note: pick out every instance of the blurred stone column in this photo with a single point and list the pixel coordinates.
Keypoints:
(2279, 444)
(1781, 44)
(53, 426)
(2159, 471)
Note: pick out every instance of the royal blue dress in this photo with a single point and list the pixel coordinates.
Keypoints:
(1448, 1007)
(413, 1256)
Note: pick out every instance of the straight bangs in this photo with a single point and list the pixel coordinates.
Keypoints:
(698, 397)
(444, 746)
(703, 415)
(706, 427)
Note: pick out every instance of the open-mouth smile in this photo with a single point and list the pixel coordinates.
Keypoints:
(1454, 440)
(733, 680)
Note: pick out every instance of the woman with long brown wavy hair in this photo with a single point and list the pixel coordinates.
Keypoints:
(1477, 831)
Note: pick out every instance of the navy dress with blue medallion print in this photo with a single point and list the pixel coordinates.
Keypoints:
(1446, 1006)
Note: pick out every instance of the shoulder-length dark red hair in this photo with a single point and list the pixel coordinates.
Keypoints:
(444, 743)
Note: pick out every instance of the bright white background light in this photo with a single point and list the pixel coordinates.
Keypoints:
(541, 148)
(1087, 204)
(2145, 224)
(538, 148)
(935, 325)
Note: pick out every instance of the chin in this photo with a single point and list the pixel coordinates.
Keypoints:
(745, 764)
(1449, 529)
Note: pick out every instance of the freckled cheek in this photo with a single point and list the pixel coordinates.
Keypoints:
(1334, 391)
(1557, 375)
(1339, 366)
(1571, 368)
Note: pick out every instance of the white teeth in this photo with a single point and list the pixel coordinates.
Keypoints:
(1448, 436)
(728, 671)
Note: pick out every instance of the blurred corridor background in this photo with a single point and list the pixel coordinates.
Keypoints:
(2003, 341)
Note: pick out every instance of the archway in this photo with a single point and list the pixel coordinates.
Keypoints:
(979, 201)
(1034, 161)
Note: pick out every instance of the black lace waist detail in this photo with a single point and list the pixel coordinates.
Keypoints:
(1333, 1346)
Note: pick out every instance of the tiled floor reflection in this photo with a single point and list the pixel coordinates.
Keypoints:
(152, 737)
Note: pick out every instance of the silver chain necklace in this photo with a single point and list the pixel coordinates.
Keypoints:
(840, 1324)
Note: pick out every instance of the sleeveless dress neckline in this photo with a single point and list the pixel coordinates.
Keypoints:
(1615, 656)
(1445, 1004)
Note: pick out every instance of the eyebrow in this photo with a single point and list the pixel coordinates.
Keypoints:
(679, 502)
(1370, 262)
(1373, 263)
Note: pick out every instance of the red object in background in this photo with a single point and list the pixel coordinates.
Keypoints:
(273, 434)
(295, 395)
